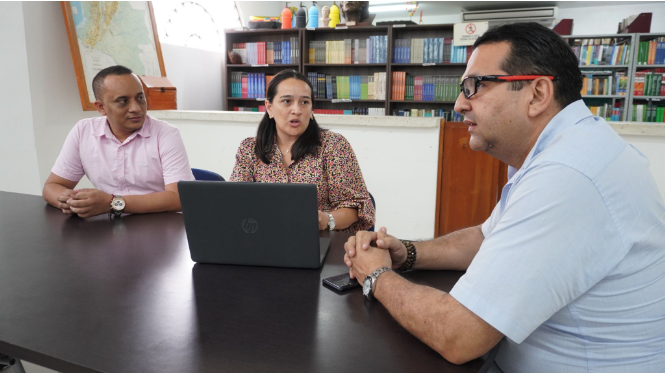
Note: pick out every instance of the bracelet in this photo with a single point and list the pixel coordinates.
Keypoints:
(410, 256)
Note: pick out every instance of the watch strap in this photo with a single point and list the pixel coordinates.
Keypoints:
(331, 221)
(374, 276)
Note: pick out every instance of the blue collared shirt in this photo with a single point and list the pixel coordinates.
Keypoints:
(572, 268)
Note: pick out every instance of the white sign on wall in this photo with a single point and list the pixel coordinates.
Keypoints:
(467, 33)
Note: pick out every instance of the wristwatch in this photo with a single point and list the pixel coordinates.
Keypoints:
(331, 221)
(117, 205)
(370, 282)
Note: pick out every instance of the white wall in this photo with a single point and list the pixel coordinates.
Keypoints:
(193, 72)
(605, 19)
(399, 165)
(18, 152)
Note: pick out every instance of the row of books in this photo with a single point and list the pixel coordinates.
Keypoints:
(424, 88)
(371, 111)
(450, 116)
(649, 83)
(651, 52)
(430, 50)
(260, 109)
(353, 87)
(648, 113)
(604, 83)
(268, 52)
(349, 51)
(607, 111)
(249, 85)
(601, 52)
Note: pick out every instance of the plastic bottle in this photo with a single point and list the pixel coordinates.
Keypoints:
(301, 17)
(334, 15)
(313, 16)
(286, 17)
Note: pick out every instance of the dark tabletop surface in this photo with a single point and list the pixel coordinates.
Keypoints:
(100, 295)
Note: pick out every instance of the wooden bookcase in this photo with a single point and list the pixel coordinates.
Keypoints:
(388, 105)
(254, 36)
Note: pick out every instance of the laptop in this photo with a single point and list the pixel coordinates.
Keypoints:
(257, 224)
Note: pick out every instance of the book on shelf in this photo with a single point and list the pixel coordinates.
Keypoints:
(602, 51)
(604, 83)
(650, 113)
(349, 51)
(353, 111)
(352, 87)
(649, 82)
(607, 111)
(651, 52)
(262, 53)
(259, 109)
(424, 88)
(249, 85)
(450, 116)
(428, 50)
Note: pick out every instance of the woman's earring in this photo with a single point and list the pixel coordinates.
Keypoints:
(270, 116)
(312, 117)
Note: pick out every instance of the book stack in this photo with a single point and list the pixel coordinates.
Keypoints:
(649, 83)
(604, 83)
(352, 87)
(354, 111)
(424, 88)
(651, 52)
(601, 52)
(249, 85)
(650, 113)
(349, 51)
(261, 53)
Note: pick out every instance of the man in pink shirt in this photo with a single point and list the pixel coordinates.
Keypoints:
(133, 160)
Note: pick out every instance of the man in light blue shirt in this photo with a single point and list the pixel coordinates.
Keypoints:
(570, 266)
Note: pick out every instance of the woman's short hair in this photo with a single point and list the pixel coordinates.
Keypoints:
(307, 143)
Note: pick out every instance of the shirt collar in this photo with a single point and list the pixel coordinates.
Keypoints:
(569, 116)
(105, 130)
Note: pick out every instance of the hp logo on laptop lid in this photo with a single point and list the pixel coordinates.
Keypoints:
(250, 225)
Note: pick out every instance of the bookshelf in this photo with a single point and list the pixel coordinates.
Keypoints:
(605, 61)
(423, 55)
(277, 58)
(647, 100)
(368, 72)
(610, 63)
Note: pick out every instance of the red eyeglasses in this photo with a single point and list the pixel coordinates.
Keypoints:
(470, 84)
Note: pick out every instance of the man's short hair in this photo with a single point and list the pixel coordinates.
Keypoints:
(537, 50)
(98, 81)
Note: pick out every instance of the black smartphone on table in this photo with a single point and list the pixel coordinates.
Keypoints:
(341, 282)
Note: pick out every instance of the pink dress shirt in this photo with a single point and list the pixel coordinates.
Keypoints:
(145, 162)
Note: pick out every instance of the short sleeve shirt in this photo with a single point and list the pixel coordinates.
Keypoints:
(572, 267)
(145, 162)
(334, 171)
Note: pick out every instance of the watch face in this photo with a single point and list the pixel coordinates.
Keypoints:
(367, 286)
(118, 204)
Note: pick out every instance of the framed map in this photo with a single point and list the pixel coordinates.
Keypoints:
(107, 33)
